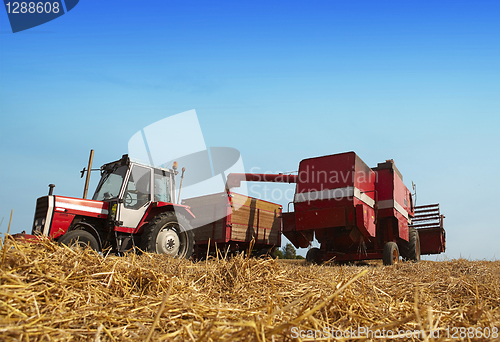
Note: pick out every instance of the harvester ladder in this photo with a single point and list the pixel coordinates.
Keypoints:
(427, 216)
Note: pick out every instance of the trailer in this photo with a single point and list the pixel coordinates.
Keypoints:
(232, 223)
(355, 212)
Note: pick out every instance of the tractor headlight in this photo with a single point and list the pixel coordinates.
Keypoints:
(38, 226)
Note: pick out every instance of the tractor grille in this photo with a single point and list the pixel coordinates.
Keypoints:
(42, 205)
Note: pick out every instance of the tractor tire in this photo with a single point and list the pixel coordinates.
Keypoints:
(391, 254)
(312, 255)
(168, 233)
(79, 238)
(413, 246)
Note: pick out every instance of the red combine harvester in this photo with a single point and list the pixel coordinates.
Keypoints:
(355, 212)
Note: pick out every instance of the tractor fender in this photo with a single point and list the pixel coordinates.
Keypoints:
(88, 228)
(157, 208)
(184, 209)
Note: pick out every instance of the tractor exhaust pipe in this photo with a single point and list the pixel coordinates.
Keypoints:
(87, 180)
(180, 185)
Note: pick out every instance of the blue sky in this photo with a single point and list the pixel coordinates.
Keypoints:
(415, 81)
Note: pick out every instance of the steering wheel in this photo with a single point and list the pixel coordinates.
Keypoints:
(128, 198)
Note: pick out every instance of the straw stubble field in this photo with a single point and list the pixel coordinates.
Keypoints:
(53, 293)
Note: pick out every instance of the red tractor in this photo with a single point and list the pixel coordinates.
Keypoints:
(133, 205)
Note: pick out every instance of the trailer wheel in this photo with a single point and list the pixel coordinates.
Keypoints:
(312, 255)
(168, 233)
(80, 238)
(391, 254)
(413, 246)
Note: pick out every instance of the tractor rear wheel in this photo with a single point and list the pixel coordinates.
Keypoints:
(413, 246)
(79, 238)
(168, 233)
(312, 255)
(391, 254)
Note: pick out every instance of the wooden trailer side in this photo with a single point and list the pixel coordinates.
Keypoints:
(235, 218)
(211, 213)
(255, 218)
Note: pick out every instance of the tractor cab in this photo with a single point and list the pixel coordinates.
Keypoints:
(130, 188)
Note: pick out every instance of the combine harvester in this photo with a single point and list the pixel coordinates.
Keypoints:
(355, 212)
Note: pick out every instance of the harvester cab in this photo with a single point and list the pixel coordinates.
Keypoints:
(133, 205)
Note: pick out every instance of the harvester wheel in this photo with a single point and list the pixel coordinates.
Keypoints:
(168, 233)
(312, 255)
(391, 254)
(413, 246)
(80, 238)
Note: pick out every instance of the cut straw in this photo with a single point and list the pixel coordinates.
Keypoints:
(53, 293)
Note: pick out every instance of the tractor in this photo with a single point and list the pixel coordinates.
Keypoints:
(134, 205)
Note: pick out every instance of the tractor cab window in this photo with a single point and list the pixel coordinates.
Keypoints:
(162, 186)
(138, 191)
(110, 184)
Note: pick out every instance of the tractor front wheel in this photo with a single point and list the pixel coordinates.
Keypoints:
(170, 234)
(79, 238)
(391, 254)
